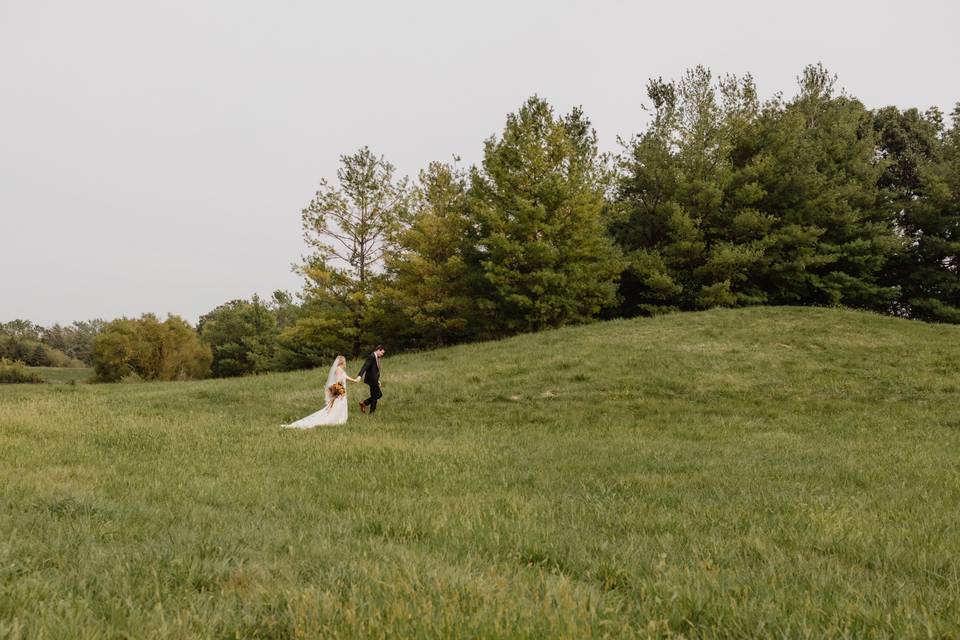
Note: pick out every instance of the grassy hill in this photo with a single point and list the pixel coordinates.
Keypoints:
(761, 472)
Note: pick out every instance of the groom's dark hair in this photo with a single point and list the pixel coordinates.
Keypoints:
(379, 347)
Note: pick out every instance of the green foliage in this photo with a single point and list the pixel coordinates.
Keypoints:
(153, 350)
(12, 372)
(242, 336)
(74, 340)
(537, 225)
(923, 177)
(834, 231)
(690, 229)
(113, 350)
(729, 203)
(427, 300)
(350, 227)
(34, 353)
(21, 330)
(750, 473)
(24, 341)
(723, 201)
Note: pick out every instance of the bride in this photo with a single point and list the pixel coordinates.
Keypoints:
(335, 411)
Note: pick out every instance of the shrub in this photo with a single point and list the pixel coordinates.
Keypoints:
(154, 350)
(16, 373)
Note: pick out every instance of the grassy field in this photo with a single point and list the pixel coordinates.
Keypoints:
(63, 375)
(751, 473)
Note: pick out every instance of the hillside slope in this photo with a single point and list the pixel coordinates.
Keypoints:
(783, 472)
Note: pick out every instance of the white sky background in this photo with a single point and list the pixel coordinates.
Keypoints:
(155, 156)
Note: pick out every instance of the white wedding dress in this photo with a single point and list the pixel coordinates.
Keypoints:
(331, 414)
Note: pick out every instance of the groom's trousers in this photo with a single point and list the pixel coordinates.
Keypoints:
(375, 394)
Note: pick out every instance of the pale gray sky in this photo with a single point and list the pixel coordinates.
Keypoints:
(155, 156)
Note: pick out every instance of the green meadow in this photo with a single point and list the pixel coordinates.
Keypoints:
(770, 472)
(64, 375)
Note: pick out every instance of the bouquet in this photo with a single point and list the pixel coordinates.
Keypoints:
(336, 390)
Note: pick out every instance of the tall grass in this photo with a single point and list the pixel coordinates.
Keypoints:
(64, 375)
(767, 472)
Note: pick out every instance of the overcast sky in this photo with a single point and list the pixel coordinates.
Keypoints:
(155, 156)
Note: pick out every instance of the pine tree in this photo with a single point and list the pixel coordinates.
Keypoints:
(350, 228)
(930, 272)
(833, 231)
(536, 219)
(688, 227)
(428, 301)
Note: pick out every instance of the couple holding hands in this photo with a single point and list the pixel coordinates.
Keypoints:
(335, 410)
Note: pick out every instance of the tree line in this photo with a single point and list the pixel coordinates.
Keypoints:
(54, 346)
(723, 200)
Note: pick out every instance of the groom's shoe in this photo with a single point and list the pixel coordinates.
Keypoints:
(363, 407)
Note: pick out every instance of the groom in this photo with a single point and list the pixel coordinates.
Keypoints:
(370, 373)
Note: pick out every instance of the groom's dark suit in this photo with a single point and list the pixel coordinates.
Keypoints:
(370, 372)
